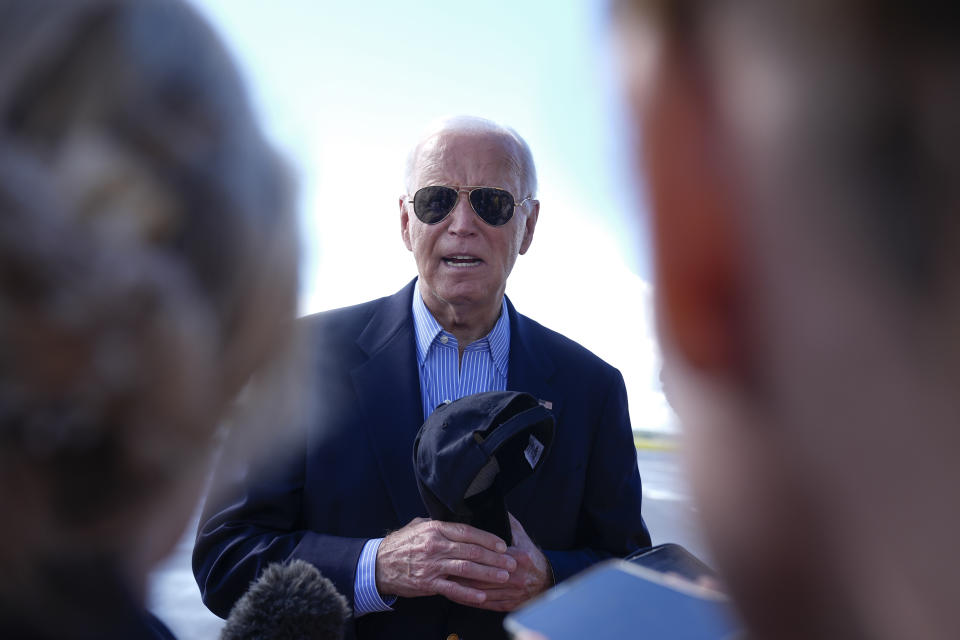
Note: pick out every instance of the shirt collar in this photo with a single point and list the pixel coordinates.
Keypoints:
(427, 329)
(425, 326)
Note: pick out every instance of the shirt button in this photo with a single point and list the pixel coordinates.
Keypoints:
(445, 340)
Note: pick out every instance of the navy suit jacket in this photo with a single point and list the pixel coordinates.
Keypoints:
(351, 478)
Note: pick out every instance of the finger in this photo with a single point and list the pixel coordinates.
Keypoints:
(482, 555)
(522, 558)
(518, 580)
(519, 534)
(504, 606)
(459, 532)
(459, 593)
(489, 587)
(515, 526)
(473, 571)
(475, 584)
(505, 595)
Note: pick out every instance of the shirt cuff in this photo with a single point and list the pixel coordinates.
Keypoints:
(366, 599)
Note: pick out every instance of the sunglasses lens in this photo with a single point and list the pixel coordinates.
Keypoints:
(432, 204)
(495, 206)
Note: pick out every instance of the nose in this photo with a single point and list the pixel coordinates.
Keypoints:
(463, 220)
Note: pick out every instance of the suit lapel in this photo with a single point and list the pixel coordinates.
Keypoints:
(531, 369)
(388, 385)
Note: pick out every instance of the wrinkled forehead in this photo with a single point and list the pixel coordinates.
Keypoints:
(467, 158)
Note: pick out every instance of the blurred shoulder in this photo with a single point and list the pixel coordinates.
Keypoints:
(344, 320)
(382, 316)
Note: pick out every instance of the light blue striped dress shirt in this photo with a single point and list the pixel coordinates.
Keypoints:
(443, 378)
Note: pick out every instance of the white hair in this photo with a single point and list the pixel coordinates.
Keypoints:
(521, 150)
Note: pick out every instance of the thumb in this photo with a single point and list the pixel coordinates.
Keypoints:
(517, 530)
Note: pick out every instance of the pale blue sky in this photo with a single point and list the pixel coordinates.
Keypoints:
(344, 89)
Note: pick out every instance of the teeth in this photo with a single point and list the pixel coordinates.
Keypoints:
(462, 261)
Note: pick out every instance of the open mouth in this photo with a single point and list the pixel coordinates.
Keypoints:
(462, 261)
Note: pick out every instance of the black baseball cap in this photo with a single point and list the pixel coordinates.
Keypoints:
(471, 452)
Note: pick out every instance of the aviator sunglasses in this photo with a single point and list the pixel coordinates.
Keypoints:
(494, 206)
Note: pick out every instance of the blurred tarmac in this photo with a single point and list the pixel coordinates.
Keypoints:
(175, 598)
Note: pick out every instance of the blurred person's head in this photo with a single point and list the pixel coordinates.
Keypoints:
(147, 268)
(464, 260)
(803, 163)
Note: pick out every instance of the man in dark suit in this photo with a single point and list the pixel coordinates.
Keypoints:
(348, 501)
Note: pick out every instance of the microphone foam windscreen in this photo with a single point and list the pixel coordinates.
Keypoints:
(291, 601)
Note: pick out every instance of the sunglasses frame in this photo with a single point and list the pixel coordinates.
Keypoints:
(469, 190)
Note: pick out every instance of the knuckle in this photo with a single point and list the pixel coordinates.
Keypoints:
(420, 575)
(434, 546)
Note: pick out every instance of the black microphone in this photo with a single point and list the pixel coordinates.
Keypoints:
(291, 601)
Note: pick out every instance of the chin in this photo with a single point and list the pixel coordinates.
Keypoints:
(464, 291)
(460, 295)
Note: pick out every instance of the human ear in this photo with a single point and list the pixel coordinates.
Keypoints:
(529, 225)
(405, 224)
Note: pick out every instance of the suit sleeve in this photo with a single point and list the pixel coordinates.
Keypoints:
(610, 523)
(253, 518)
